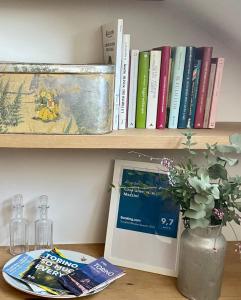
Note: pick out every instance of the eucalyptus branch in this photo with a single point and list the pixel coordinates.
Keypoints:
(140, 154)
(164, 161)
(140, 188)
(134, 187)
(189, 142)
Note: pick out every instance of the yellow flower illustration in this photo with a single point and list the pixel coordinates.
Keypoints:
(47, 107)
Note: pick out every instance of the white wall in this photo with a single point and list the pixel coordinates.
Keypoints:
(69, 32)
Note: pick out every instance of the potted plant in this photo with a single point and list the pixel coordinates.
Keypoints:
(209, 198)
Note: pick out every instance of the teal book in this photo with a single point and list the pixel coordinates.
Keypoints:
(195, 85)
(142, 89)
(179, 54)
(186, 88)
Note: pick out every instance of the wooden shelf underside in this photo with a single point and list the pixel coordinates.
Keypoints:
(137, 284)
(123, 139)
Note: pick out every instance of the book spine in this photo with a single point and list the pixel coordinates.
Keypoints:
(153, 88)
(179, 61)
(112, 43)
(142, 89)
(216, 91)
(206, 54)
(163, 87)
(186, 88)
(133, 88)
(124, 81)
(195, 84)
(209, 95)
(170, 79)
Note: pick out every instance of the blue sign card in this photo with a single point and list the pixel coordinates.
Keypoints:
(142, 208)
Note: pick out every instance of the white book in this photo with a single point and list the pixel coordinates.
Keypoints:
(112, 34)
(133, 88)
(176, 89)
(124, 81)
(153, 88)
(209, 95)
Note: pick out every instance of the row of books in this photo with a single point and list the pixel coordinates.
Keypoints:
(174, 87)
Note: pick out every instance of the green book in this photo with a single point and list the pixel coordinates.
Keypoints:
(142, 89)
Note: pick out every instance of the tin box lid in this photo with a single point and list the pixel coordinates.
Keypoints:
(12, 67)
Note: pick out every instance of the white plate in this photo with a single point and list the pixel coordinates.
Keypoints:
(72, 255)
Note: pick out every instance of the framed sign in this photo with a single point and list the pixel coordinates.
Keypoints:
(143, 227)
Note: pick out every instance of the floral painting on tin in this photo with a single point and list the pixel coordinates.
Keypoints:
(55, 103)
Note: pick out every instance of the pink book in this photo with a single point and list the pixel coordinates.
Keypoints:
(163, 88)
(216, 89)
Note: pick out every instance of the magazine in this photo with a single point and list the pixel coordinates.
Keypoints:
(46, 270)
(91, 277)
(18, 267)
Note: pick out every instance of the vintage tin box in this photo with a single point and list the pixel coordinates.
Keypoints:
(56, 99)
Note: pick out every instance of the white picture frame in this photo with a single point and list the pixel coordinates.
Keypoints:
(132, 248)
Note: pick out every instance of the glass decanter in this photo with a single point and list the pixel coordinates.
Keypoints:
(43, 226)
(18, 227)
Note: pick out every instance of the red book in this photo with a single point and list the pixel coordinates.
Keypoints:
(205, 54)
(163, 88)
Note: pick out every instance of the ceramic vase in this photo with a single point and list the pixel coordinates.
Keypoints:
(201, 262)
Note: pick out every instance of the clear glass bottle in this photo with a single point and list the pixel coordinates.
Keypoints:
(43, 226)
(18, 227)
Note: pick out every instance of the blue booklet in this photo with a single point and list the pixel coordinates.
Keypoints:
(19, 266)
(91, 277)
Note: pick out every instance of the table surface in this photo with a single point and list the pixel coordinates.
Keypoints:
(138, 285)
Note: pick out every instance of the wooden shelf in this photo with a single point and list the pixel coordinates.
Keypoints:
(137, 284)
(123, 139)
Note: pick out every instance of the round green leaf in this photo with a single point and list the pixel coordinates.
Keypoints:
(196, 206)
(217, 171)
(228, 148)
(192, 214)
(200, 199)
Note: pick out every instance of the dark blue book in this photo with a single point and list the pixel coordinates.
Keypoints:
(89, 278)
(195, 85)
(186, 87)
